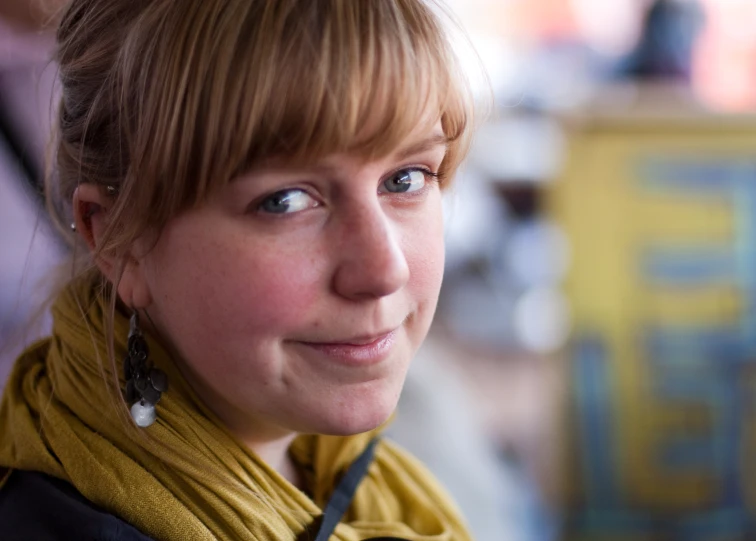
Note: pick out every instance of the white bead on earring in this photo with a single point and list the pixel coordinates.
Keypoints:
(143, 413)
(145, 384)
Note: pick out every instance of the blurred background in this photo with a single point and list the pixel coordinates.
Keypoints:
(591, 373)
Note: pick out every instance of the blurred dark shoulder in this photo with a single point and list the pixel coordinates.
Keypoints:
(37, 506)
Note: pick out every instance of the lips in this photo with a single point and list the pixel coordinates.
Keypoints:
(357, 351)
(363, 340)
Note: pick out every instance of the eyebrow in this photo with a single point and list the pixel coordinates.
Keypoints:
(424, 145)
(437, 139)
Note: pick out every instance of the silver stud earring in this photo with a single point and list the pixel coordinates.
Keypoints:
(144, 383)
(73, 227)
(110, 190)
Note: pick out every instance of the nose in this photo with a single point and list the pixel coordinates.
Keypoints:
(371, 262)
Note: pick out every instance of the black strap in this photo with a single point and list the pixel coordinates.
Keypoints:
(342, 496)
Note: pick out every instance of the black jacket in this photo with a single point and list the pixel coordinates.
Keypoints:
(37, 507)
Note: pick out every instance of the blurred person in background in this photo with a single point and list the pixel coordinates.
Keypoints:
(28, 244)
(665, 46)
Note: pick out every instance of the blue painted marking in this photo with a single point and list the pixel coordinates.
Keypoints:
(731, 436)
(716, 525)
(745, 249)
(689, 454)
(696, 346)
(694, 176)
(721, 390)
(594, 420)
(678, 266)
(619, 520)
(724, 523)
(683, 387)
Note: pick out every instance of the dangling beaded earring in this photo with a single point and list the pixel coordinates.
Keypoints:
(144, 383)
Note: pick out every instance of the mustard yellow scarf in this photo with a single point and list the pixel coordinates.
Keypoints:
(58, 416)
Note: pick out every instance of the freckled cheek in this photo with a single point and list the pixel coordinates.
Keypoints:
(272, 295)
(425, 256)
(238, 289)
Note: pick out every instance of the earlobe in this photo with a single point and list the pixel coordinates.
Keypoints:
(132, 286)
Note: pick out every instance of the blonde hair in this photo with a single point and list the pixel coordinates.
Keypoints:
(167, 101)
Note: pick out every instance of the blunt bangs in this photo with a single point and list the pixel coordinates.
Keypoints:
(354, 77)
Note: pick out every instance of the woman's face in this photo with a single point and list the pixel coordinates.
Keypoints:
(296, 298)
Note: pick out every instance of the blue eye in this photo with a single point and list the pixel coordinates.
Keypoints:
(406, 181)
(287, 202)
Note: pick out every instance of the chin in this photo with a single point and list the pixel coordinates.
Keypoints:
(361, 415)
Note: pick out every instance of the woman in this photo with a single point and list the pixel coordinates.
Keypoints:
(257, 187)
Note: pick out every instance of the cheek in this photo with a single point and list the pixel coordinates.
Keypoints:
(424, 250)
(423, 246)
(428, 267)
(214, 290)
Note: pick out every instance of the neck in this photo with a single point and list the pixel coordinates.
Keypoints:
(269, 443)
(275, 453)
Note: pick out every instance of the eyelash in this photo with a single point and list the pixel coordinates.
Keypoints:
(431, 177)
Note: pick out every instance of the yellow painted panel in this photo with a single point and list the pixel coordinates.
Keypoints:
(619, 212)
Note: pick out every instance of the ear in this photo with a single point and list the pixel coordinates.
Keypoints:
(91, 210)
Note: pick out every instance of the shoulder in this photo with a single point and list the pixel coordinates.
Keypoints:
(37, 506)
